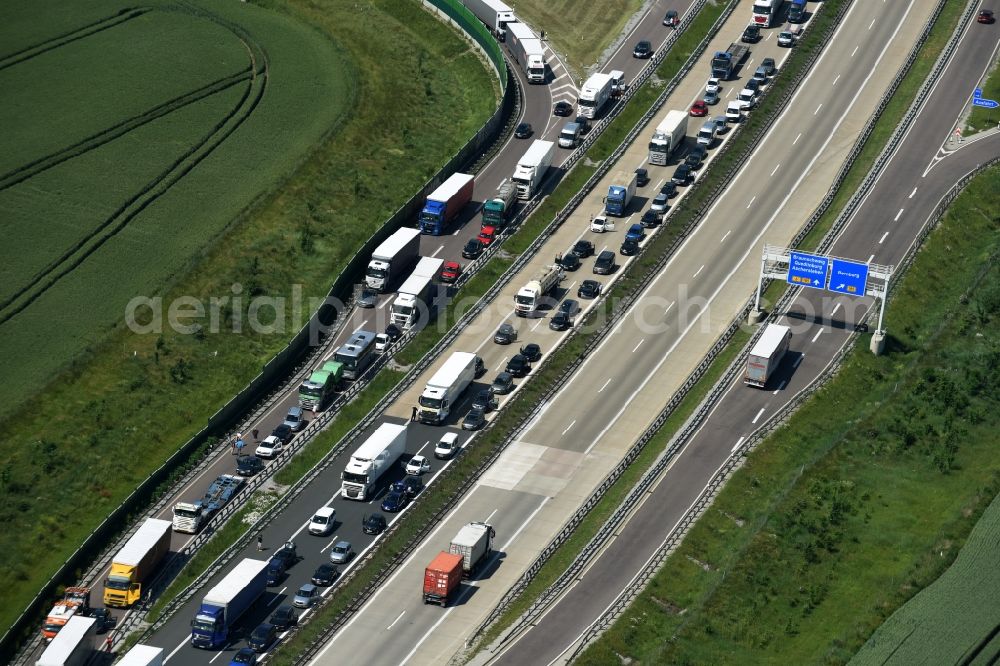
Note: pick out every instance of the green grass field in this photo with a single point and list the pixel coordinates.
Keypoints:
(835, 521)
(124, 404)
(955, 617)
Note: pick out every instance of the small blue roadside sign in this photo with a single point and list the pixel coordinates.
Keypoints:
(848, 277)
(977, 93)
(985, 103)
(807, 270)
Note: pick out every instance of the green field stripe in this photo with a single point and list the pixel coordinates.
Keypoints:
(74, 35)
(33, 168)
(152, 191)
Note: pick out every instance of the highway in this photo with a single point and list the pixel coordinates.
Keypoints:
(560, 458)
(922, 169)
(536, 110)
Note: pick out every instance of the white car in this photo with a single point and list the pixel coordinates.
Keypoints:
(270, 447)
(322, 522)
(713, 86)
(418, 465)
(747, 99)
(381, 342)
(786, 39)
(447, 447)
(600, 223)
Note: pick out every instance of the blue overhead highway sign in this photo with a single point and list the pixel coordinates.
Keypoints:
(807, 270)
(848, 277)
(985, 103)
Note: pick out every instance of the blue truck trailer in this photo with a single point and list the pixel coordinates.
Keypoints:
(225, 603)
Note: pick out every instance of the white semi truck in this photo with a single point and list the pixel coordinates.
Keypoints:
(74, 645)
(528, 51)
(766, 355)
(667, 136)
(393, 258)
(531, 168)
(594, 94)
(418, 288)
(142, 655)
(495, 14)
(372, 459)
(445, 388)
(529, 297)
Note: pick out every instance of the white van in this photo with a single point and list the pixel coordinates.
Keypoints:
(322, 522)
(747, 99)
(447, 447)
(570, 135)
(734, 111)
(706, 135)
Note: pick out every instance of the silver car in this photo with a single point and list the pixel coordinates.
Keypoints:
(306, 596)
(342, 552)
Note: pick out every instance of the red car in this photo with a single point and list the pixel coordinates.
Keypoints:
(450, 271)
(699, 109)
(985, 16)
(486, 235)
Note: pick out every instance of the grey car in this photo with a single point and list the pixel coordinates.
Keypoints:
(505, 335)
(474, 420)
(306, 596)
(294, 418)
(368, 298)
(503, 384)
(342, 552)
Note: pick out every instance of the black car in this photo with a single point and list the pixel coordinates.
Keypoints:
(682, 174)
(583, 249)
(503, 384)
(562, 109)
(643, 49)
(650, 219)
(286, 617)
(505, 335)
(394, 332)
(589, 289)
(670, 189)
(769, 66)
(103, 619)
(697, 156)
(570, 307)
(584, 123)
(373, 524)
(472, 249)
(287, 553)
(395, 501)
(480, 367)
(751, 34)
(249, 465)
(518, 365)
(324, 576)
(276, 568)
(605, 264)
(411, 484)
(641, 177)
(284, 433)
(523, 130)
(474, 420)
(569, 262)
(629, 248)
(368, 298)
(752, 84)
(560, 321)
(262, 637)
(484, 400)
(670, 19)
(531, 351)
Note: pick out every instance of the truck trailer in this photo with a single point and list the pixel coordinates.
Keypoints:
(441, 578)
(725, 63)
(74, 646)
(474, 543)
(667, 136)
(529, 297)
(393, 258)
(371, 460)
(142, 655)
(498, 210)
(418, 288)
(495, 14)
(445, 388)
(135, 563)
(766, 355)
(446, 202)
(190, 517)
(620, 192)
(527, 50)
(594, 94)
(532, 166)
(226, 603)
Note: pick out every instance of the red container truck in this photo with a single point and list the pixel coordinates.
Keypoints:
(442, 577)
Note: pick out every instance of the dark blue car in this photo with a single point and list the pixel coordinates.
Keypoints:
(395, 501)
(635, 233)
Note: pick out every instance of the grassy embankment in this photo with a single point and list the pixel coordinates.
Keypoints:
(119, 415)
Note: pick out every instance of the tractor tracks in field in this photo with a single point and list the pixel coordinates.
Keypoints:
(255, 76)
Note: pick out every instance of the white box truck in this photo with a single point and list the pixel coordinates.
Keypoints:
(527, 50)
(142, 655)
(74, 645)
(446, 387)
(766, 355)
(393, 258)
(594, 94)
(529, 297)
(532, 166)
(474, 542)
(667, 136)
(418, 288)
(372, 459)
(495, 14)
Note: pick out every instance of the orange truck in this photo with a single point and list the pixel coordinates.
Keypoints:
(442, 577)
(75, 601)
